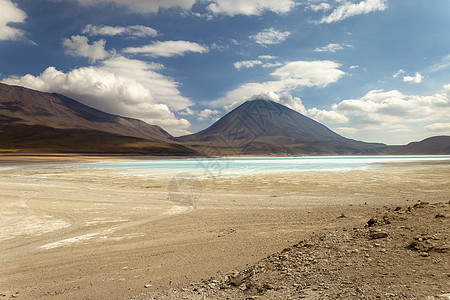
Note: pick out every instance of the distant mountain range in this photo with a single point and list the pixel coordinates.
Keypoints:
(33, 121)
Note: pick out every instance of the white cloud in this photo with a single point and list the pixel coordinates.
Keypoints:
(133, 31)
(250, 7)
(270, 36)
(293, 103)
(320, 6)
(79, 45)
(398, 73)
(142, 6)
(10, 13)
(349, 9)
(202, 115)
(354, 67)
(442, 65)
(332, 47)
(439, 127)
(327, 116)
(272, 65)
(266, 57)
(310, 73)
(415, 79)
(167, 49)
(287, 78)
(207, 113)
(121, 86)
(380, 109)
(247, 64)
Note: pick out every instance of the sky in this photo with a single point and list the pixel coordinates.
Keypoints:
(371, 70)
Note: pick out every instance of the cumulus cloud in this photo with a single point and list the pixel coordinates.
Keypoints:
(415, 79)
(10, 13)
(348, 9)
(132, 31)
(79, 45)
(353, 67)
(309, 73)
(141, 6)
(381, 109)
(247, 64)
(167, 49)
(333, 47)
(270, 36)
(250, 7)
(207, 113)
(201, 115)
(287, 78)
(327, 116)
(121, 86)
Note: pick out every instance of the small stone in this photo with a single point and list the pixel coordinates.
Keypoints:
(372, 221)
(147, 286)
(440, 216)
(424, 254)
(378, 235)
(268, 286)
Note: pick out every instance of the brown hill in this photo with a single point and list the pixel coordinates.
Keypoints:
(32, 107)
(266, 127)
(35, 121)
(432, 146)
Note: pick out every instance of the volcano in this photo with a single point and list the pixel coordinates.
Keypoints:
(267, 127)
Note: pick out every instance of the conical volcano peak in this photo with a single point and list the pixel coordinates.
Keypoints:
(265, 126)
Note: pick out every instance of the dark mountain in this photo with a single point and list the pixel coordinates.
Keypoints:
(432, 146)
(44, 122)
(266, 127)
(26, 106)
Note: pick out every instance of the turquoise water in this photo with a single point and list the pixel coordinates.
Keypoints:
(236, 166)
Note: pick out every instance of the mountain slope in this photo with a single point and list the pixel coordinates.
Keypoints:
(265, 127)
(31, 107)
(432, 146)
(32, 121)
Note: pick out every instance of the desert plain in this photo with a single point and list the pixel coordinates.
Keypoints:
(80, 233)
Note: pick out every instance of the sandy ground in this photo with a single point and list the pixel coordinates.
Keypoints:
(83, 234)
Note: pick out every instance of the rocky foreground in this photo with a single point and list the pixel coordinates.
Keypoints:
(401, 253)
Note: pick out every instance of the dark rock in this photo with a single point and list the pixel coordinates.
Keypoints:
(372, 221)
(238, 279)
(378, 235)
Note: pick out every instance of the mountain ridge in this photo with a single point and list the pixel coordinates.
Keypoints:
(58, 111)
(34, 121)
(48, 122)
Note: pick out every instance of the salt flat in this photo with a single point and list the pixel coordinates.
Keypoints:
(79, 233)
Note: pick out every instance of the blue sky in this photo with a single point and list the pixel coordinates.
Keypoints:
(372, 70)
